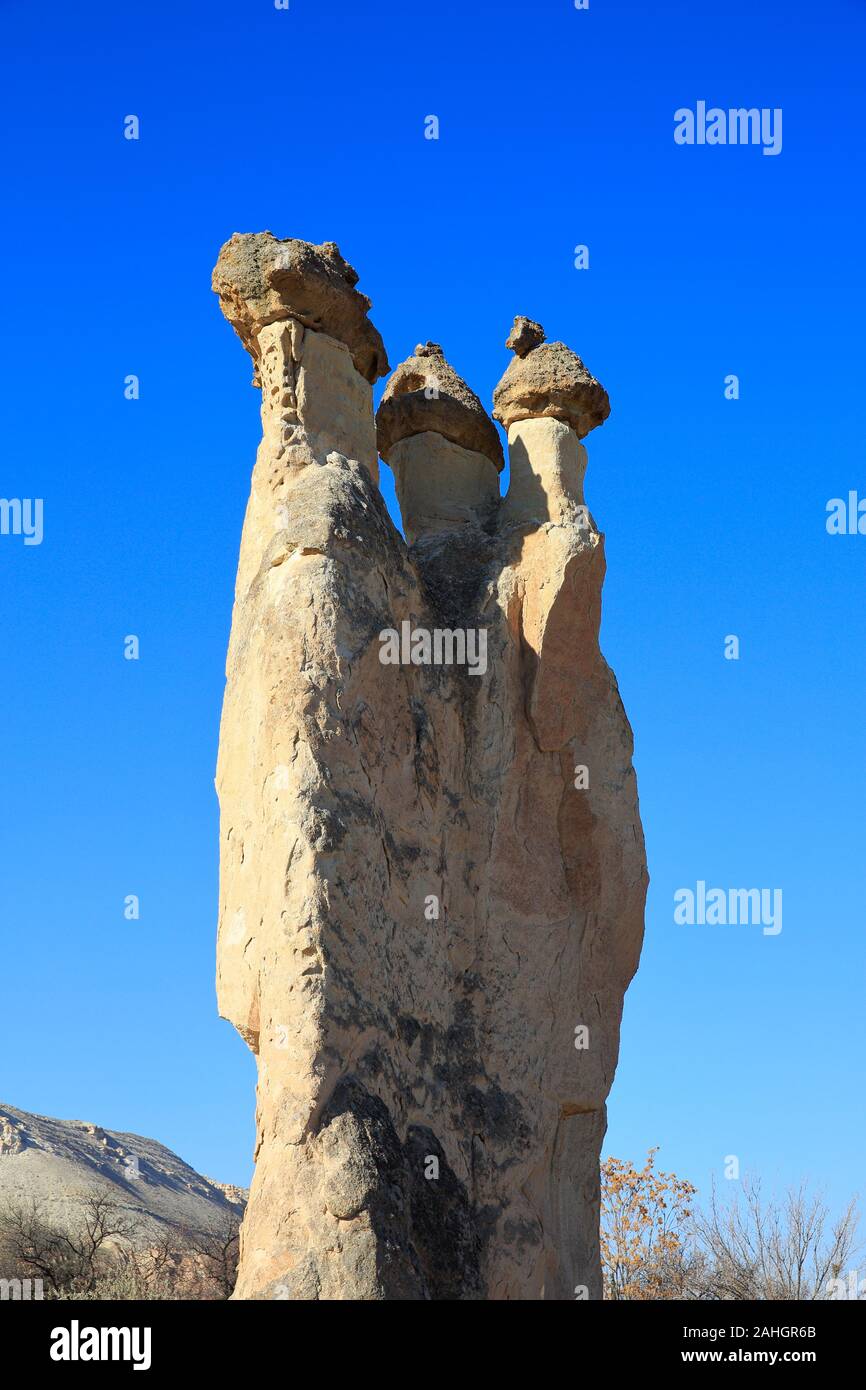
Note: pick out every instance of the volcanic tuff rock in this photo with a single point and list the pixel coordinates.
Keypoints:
(428, 914)
(548, 380)
(426, 393)
(260, 280)
(525, 335)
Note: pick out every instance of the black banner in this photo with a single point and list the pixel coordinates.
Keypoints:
(148, 1338)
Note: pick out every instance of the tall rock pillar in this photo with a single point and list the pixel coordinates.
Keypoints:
(428, 913)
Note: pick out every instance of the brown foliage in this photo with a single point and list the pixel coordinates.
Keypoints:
(655, 1244)
(645, 1217)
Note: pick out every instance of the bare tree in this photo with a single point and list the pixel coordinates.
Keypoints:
(152, 1270)
(217, 1251)
(774, 1248)
(31, 1246)
(67, 1252)
(656, 1244)
(97, 1250)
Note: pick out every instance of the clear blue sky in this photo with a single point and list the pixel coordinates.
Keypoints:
(556, 129)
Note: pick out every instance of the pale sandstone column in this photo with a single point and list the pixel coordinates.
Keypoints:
(426, 1128)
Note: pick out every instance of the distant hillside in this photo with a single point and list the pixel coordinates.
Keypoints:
(55, 1162)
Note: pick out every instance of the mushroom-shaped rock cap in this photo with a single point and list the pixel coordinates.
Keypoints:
(547, 379)
(260, 279)
(425, 393)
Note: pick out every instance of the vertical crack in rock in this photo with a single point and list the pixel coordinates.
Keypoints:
(422, 906)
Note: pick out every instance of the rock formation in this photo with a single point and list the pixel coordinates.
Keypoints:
(432, 863)
(57, 1163)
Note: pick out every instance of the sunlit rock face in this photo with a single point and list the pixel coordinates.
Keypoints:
(432, 869)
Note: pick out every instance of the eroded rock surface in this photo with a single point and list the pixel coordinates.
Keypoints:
(432, 875)
(525, 335)
(426, 393)
(261, 279)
